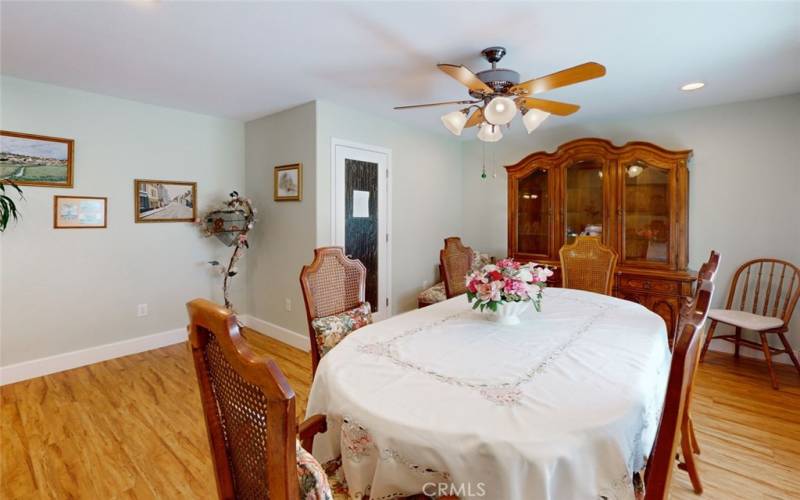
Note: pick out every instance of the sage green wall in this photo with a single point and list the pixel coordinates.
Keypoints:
(284, 238)
(65, 290)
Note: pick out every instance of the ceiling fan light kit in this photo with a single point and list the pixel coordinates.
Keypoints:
(532, 118)
(498, 95)
(500, 110)
(455, 120)
(489, 132)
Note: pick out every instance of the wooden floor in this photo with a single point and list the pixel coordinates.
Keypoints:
(132, 428)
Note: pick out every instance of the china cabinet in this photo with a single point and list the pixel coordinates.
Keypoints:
(634, 197)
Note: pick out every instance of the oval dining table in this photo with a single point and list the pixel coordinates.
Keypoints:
(564, 405)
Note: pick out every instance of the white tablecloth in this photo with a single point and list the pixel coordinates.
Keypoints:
(563, 406)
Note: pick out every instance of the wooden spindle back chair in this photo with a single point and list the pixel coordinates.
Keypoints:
(455, 263)
(681, 377)
(762, 298)
(332, 284)
(588, 265)
(249, 409)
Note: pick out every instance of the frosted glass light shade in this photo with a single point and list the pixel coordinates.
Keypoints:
(500, 110)
(490, 133)
(635, 170)
(454, 122)
(532, 118)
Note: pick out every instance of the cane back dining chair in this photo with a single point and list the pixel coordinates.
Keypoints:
(689, 445)
(588, 265)
(249, 410)
(658, 473)
(333, 284)
(456, 263)
(762, 298)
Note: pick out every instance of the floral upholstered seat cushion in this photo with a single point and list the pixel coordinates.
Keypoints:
(433, 294)
(480, 259)
(320, 482)
(330, 330)
(311, 476)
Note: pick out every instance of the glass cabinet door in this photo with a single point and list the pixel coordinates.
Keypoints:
(583, 200)
(533, 213)
(647, 213)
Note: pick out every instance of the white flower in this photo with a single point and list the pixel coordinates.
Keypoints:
(543, 273)
(525, 275)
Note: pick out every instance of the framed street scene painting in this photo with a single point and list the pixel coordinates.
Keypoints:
(165, 201)
(79, 212)
(36, 160)
(289, 182)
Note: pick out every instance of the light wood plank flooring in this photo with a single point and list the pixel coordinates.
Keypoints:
(132, 428)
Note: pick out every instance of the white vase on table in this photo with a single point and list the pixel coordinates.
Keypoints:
(508, 313)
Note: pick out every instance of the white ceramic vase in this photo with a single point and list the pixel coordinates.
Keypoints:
(508, 313)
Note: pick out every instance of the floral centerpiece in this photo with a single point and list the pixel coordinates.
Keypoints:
(507, 288)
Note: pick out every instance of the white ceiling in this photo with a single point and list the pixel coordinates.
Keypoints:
(246, 60)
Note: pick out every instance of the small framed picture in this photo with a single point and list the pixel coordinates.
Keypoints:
(165, 201)
(36, 160)
(289, 182)
(79, 212)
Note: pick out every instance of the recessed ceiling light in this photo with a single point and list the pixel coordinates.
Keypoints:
(693, 86)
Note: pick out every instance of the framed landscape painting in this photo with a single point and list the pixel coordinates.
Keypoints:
(165, 201)
(36, 160)
(289, 182)
(79, 212)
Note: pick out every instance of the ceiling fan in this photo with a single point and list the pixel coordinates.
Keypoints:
(497, 95)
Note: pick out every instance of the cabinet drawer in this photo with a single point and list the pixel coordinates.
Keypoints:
(649, 285)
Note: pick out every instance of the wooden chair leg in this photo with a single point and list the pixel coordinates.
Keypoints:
(789, 350)
(692, 436)
(738, 340)
(689, 464)
(709, 338)
(768, 355)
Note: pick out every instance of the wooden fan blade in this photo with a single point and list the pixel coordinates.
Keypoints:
(576, 74)
(475, 119)
(466, 77)
(446, 103)
(552, 107)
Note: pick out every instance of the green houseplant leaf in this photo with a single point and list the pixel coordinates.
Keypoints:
(8, 209)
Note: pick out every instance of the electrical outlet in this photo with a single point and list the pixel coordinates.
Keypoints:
(288, 304)
(141, 310)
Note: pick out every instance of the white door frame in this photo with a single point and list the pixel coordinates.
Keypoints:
(384, 216)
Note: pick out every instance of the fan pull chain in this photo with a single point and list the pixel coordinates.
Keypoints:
(494, 165)
(483, 171)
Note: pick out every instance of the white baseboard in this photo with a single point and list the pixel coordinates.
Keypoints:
(277, 332)
(74, 359)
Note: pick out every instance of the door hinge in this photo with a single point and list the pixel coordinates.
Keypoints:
(387, 301)
(387, 237)
(387, 173)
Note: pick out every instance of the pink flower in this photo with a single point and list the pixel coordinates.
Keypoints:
(488, 291)
(508, 264)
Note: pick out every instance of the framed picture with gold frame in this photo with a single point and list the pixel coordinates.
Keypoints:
(288, 181)
(164, 201)
(36, 160)
(80, 212)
